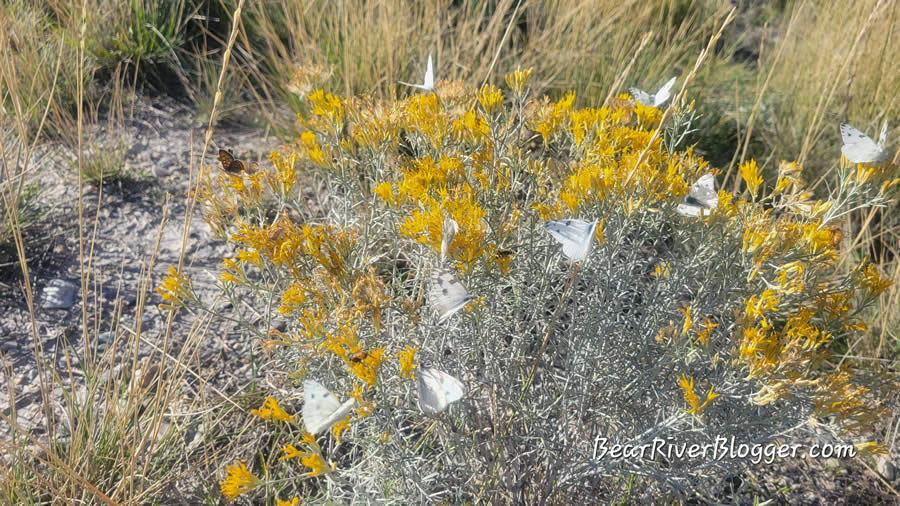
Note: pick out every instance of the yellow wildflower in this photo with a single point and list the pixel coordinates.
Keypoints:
(687, 384)
(340, 427)
(518, 79)
(703, 335)
(290, 452)
(385, 190)
(326, 105)
(271, 409)
(292, 299)
(686, 326)
(490, 98)
(874, 282)
(407, 361)
(285, 169)
(293, 502)
(315, 462)
(750, 174)
(176, 289)
(238, 481)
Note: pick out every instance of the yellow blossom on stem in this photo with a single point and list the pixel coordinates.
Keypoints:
(687, 384)
(176, 289)
(315, 462)
(284, 166)
(271, 409)
(238, 481)
(686, 326)
(293, 502)
(314, 151)
(290, 452)
(750, 174)
(407, 361)
(340, 427)
(518, 79)
(385, 190)
(292, 299)
(874, 282)
(703, 335)
(490, 97)
(326, 105)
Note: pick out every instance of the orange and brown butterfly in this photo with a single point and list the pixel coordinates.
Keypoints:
(359, 356)
(234, 166)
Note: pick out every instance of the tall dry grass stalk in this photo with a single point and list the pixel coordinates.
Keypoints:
(368, 46)
(837, 67)
(113, 430)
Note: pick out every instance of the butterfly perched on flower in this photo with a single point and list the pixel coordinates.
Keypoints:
(321, 408)
(234, 166)
(701, 198)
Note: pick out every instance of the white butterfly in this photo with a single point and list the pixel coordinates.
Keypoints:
(437, 390)
(576, 237)
(447, 294)
(321, 408)
(860, 148)
(428, 83)
(655, 100)
(701, 198)
(449, 231)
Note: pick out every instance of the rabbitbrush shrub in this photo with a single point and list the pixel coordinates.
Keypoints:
(676, 329)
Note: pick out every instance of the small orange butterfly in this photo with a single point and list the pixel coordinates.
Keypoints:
(234, 166)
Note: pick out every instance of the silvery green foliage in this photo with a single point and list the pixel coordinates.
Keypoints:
(558, 360)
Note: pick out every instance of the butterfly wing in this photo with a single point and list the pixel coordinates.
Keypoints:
(428, 83)
(704, 192)
(447, 294)
(664, 93)
(576, 237)
(859, 147)
(640, 96)
(229, 163)
(321, 408)
(448, 232)
(437, 390)
(689, 209)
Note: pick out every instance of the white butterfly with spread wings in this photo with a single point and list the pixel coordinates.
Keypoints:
(428, 83)
(437, 390)
(860, 148)
(321, 408)
(576, 237)
(701, 198)
(655, 100)
(447, 294)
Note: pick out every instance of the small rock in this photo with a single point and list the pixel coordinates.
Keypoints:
(886, 468)
(59, 294)
(104, 341)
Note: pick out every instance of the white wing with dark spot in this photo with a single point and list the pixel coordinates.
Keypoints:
(576, 237)
(859, 147)
(701, 198)
(321, 408)
(446, 294)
